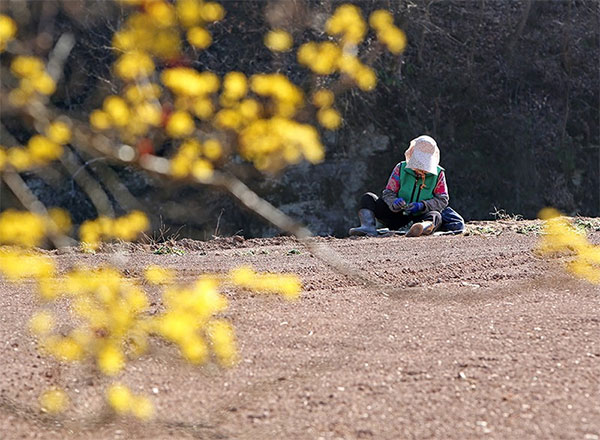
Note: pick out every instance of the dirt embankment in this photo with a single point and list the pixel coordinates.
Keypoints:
(463, 337)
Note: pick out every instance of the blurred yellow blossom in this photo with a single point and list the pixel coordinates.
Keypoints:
(8, 29)
(158, 275)
(202, 169)
(110, 359)
(54, 401)
(118, 111)
(348, 22)
(119, 398)
(222, 336)
(278, 40)
(43, 150)
(41, 323)
(286, 284)
(560, 237)
(134, 65)
(188, 12)
(199, 37)
(59, 132)
(142, 408)
(22, 228)
(211, 11)
(100, 120)
(212, 149)
(323, 98)
(329, 118)
(380, 19)
(180, 124)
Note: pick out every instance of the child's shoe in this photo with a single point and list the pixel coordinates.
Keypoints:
(420, 228)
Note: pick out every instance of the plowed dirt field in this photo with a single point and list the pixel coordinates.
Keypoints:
(462, 337)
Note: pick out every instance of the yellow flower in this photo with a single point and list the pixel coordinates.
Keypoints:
(41, 323)
(212, 149)
(119, 398)
(347, 20)
(8, 29)
(180, 125)
(250, 109)
(27, 66)
(3, 159)
(65, 348)
(228, 118)
(141, 93)
(142, 408)
(329, 118)
(202, 170)
(59, 132)
(133, 65)
(188, 12)
(235, 85)
(19, 158)
(61, 219)
(118, 111)
(366, 79)
(158, 275)
(161, 13)
(323, 98)
(44, 84)
(43, 150)
(203, 108)
(110, 359)
(279, 40)
(393, 38)
(380, 19)
(211, 11)
(100, 120)
(199, 37)
(149, 113)
(54, 401)
(223, 340)
(194, 350)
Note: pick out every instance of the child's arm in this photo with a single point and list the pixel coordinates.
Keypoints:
(390, 193)
(440, 195)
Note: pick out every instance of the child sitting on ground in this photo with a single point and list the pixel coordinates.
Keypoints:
(416, 192)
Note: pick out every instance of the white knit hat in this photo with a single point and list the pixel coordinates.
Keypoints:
(423, 154)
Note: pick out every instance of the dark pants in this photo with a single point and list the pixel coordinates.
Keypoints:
(452, 221)
(395, 220)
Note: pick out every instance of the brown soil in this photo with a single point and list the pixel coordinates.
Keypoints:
(465, 337)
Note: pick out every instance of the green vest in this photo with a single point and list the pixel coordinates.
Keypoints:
(410, 184)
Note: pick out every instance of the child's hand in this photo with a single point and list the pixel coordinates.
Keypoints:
(398, 205)
(414, 208)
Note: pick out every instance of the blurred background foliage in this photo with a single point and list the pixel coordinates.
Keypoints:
(508, 89)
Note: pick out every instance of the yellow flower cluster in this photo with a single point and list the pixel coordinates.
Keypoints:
(272, 143)
(24, 228)
(156, 32)
(348, 22)
(327, 116)
(327, 58)
(123, 401)
(132, 117)
(393, 37)
(287, 285)
(33, 80)
(560, 237)
(8, 30)
(40, 151)
(190, 311)
(126, 228)
(194, 157)
(279, 40)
